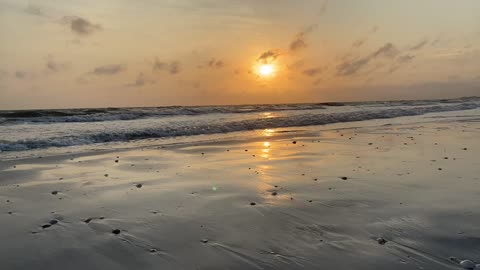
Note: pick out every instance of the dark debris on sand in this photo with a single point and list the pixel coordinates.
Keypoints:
(116, 231)
(381, 241)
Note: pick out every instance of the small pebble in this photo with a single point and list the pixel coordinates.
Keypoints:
(54, 192)
(116, 231)
(46, 226)
(344, 178)
(116, 161)
(252, 203)
(153, 250)
(294, 142)
(138, 185)
(87, 220)
(53, 222)
(274, 193)
(381, 241)
(204, 240)
(467, 264)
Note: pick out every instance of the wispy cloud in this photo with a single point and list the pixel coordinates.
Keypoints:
(300, 39)
(269, 56)
(81, 26)
(55, 66)
(359, 42)
(216, 63)
(312, 72)
(172, 67)
(419, 45)
(351, 67)
(23, 75)
(323, 8)
(140, 81)
(34, 10)
(108, 70)
(400, 61)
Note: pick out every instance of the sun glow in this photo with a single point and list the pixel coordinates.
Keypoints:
(266, 70)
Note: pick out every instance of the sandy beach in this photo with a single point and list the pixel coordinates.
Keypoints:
(381, 194)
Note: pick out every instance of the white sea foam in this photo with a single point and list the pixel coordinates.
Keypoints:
(46, 133)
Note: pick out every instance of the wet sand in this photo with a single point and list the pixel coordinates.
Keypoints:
(367, 196)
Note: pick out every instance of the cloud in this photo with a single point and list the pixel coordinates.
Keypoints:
(268, 56)
(419, 45)
(352, 67)
(359, 42)
(387, 50)
(405, 58)
(22, 75)
(401, 61)
(55, 66)
(299, 42)
(323, 8)
(34, 10)
(173, 67)
(81, 26)
(108, 70)
(312, 72)
(216, 63)
(140, 81)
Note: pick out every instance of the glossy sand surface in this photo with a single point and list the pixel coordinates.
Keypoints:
(322, 199)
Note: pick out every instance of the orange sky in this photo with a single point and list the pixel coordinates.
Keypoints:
(109, 53)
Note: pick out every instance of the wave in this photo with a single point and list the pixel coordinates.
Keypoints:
(115, 114)
(306, 119)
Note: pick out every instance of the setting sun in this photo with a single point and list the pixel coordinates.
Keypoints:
(266, 70)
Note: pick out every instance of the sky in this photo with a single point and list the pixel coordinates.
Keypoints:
(123, 53)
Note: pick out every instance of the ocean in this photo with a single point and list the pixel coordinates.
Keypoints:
(29, 130)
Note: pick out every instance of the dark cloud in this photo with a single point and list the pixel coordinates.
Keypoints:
(312, 72)
(216, 63)
(55, 66)
(268, 56)
(419, 45)
(173, 67)
(108, 70)
(351, 67)
(80, 25)
(299, 42)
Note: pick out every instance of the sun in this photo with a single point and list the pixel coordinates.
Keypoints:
(266, 70)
